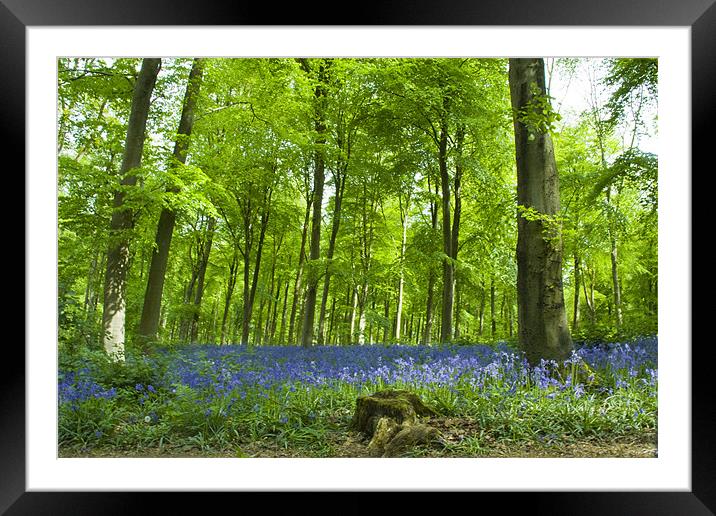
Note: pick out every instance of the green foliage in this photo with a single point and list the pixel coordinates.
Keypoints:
(538, 115)
(251, 154)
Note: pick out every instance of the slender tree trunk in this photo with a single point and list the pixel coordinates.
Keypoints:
(427, 333)
(274, 317)
(204, 262)
(458, 307)
(230, 284)
(354, 305)
(331, 320)
(340, 188)
(363, 298)
(542, 319)
(401, 278)
(282, 331)
(448, 266)
(149, 322)
(299, 272)
(318, 182)
(575, 316)
(257, 268)
(615, 270)
(89, 290)
(493, 319)
(386, 314)
(483, 295)
(115, 284)
(589, 297)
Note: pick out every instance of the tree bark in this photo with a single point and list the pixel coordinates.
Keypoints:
(401, 279)
(577, 279)
(340, 180)
(493, 319)
(309, 313)
(542, 319)
(428, 329)
(248, 310)
(115, 284)
(299, 271)
(448, 266)
(149, 322)
(282, 331)
(230, 284)
(203, 263)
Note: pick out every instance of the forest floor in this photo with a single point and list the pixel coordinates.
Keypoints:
(459, 439)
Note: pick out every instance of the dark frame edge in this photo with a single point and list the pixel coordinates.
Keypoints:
(12, 381)
(703, 102)
(701, 500)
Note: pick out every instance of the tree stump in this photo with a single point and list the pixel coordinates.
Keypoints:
(389, 419)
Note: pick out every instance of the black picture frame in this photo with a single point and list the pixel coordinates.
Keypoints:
(700, 15)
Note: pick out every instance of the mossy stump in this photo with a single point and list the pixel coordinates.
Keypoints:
(389, 419)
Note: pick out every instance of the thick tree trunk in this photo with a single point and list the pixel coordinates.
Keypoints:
(115, 278)
(542, 319)
(149, 322)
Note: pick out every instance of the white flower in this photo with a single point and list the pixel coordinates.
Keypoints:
(147, 419)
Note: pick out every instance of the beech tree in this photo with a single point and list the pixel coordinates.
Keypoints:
(542, 319)
(114, 306)
(157, 270)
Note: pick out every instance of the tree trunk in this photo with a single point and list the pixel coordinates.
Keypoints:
(483, 295)
(340, 181)
(248, 310)
(309, 313)
(401, 278)
(115, 284)
(458, 307)
(386, 314)
(575, 316)
(203, 263)
(281, 333)
(149, 322)
(354, 306)
(230, 284)
(299, 272)
(493, 319)
(542, 319)
(448, 266)
(615, 269)
(427, 333)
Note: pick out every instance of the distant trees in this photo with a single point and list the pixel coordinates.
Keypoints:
(335, 201)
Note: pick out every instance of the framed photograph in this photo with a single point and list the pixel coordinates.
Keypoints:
(35, 34)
